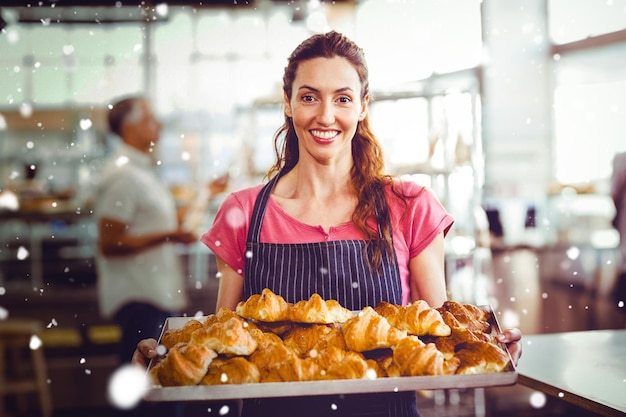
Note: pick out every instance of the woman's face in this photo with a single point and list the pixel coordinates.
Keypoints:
(326, 107)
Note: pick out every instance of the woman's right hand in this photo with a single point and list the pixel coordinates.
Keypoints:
(146, 350)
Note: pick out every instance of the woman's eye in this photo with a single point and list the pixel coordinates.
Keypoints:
(307, 98)
(345, 100)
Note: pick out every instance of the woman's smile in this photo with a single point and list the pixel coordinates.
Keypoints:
(324, 136)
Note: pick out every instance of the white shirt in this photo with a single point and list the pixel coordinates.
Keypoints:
(130, 191)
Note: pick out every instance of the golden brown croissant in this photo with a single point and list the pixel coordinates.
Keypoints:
(417, 318)
(388, 365)
(293, 368)
(368, 330)
(236, 370)
(222, 315)
(352, 366)
(173, 336)
(266, 306)
(317, 310)
(477, 357)
(467, 315)
(387, 309)
(304, 338)
(271, 350)
(229, 337)
(279, 363)
(327, 356)
(185, 364)
(416, 358)
(447, 345)
(264, 339)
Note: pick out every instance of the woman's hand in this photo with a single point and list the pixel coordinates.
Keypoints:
(512, 338)
(146, 350)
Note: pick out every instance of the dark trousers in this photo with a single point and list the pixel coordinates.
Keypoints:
(138, 321)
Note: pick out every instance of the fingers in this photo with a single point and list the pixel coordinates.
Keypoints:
(146, 349)
(138, 359)
(515, 350)
(512, 338)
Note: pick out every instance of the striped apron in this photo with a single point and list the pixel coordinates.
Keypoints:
(335, 270)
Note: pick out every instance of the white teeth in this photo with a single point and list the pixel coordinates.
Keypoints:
(324, 134)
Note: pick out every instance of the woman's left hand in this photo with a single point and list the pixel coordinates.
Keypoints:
(512, 338)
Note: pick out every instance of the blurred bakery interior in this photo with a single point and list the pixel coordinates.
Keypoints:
(511, 111)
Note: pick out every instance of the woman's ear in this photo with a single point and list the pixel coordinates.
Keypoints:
(364, 107)
(287, 105)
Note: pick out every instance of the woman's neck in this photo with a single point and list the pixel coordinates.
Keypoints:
(319, 182)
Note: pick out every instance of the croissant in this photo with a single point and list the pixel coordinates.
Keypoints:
(417, 319)
(447, 345)
(222, 315)
(352, 366)
(264, 339)
(317, 310)
(416, 358)
(387, 309)
(387, 365)
(236, 370)
(279, 363)
(294, 368)
(185, 364)
(303, 339)
(328, 356)
(173, 336)
(467, 315)
(266, 306)
(477, 357)
(229, 337)
(368, 330)
(271, 350)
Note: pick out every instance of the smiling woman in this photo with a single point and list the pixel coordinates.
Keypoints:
(330, 221)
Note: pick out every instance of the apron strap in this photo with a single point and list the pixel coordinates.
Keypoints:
(254, 231)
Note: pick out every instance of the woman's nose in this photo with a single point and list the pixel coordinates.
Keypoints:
(326, 114)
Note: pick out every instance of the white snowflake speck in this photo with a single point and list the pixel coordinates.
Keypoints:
(235, 218)
(35, 342)
(127, 386)
(537, 399)
(22, 253)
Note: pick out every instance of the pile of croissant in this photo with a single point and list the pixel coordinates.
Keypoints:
(267, 339)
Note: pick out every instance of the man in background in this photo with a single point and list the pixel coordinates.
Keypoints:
(140, 274)
(618, 193)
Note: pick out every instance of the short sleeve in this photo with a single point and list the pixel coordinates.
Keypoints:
(421, 216)
(227, 236)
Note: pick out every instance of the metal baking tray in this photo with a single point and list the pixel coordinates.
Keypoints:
(326, 387)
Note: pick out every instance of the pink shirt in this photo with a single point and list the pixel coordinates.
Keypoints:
(415, 226)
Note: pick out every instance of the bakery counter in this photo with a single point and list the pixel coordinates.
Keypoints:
(44, 247)
(587, 368)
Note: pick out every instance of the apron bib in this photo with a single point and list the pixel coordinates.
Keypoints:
(335, 270)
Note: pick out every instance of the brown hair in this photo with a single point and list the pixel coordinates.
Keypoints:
(368, 178)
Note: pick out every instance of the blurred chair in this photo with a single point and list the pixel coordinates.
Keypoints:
(20, 373)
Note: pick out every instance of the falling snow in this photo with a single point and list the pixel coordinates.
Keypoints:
(537, 295)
